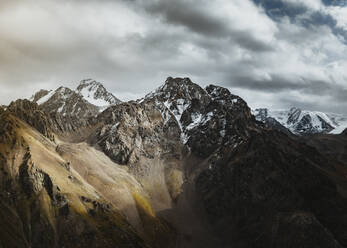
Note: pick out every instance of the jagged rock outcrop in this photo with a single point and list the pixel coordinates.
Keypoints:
(30, 113)
(132, 130)
(224, 120)
(39, 95)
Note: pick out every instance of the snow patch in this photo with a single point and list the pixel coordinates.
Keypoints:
(45, 98)
(61, 108)
(88, 95)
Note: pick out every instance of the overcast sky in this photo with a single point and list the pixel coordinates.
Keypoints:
(273, 53)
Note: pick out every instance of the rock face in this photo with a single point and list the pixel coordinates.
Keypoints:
(303, 122)
(223, 121)
(30, 113)
(39, 95)
(132, 130)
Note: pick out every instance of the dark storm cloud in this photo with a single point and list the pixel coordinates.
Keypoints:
(190, 15)
(197, 18)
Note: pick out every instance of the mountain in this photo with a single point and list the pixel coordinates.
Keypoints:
(90, 90)
(207, 150)
(304, 122)
(185, 166)
(71, 109)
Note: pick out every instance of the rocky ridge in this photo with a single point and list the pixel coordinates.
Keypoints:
(30, 113)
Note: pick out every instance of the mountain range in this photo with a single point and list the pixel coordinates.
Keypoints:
(302, 121)
(184, 166)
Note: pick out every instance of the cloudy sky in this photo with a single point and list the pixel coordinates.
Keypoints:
(273, 53)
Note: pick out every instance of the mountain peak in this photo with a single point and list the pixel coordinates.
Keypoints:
(178, 80)
(73, 108)
(90, 90)
(64, 91)
(95, 93)
(177, 88)
(85, 83)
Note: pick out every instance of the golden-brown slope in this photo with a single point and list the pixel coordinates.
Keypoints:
(46, 203)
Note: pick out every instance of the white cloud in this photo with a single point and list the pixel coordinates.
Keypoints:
(339, 14)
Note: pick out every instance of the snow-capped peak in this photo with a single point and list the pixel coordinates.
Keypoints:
(175, 96)
(193, 108)
(96, 94)
(89, 90)
(303, 121)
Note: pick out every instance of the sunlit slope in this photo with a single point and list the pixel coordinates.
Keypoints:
(45, 202)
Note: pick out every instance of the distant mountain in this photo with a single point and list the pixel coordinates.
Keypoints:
(72, 109)
(89, 90)
(96, 94)
(304, 122)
